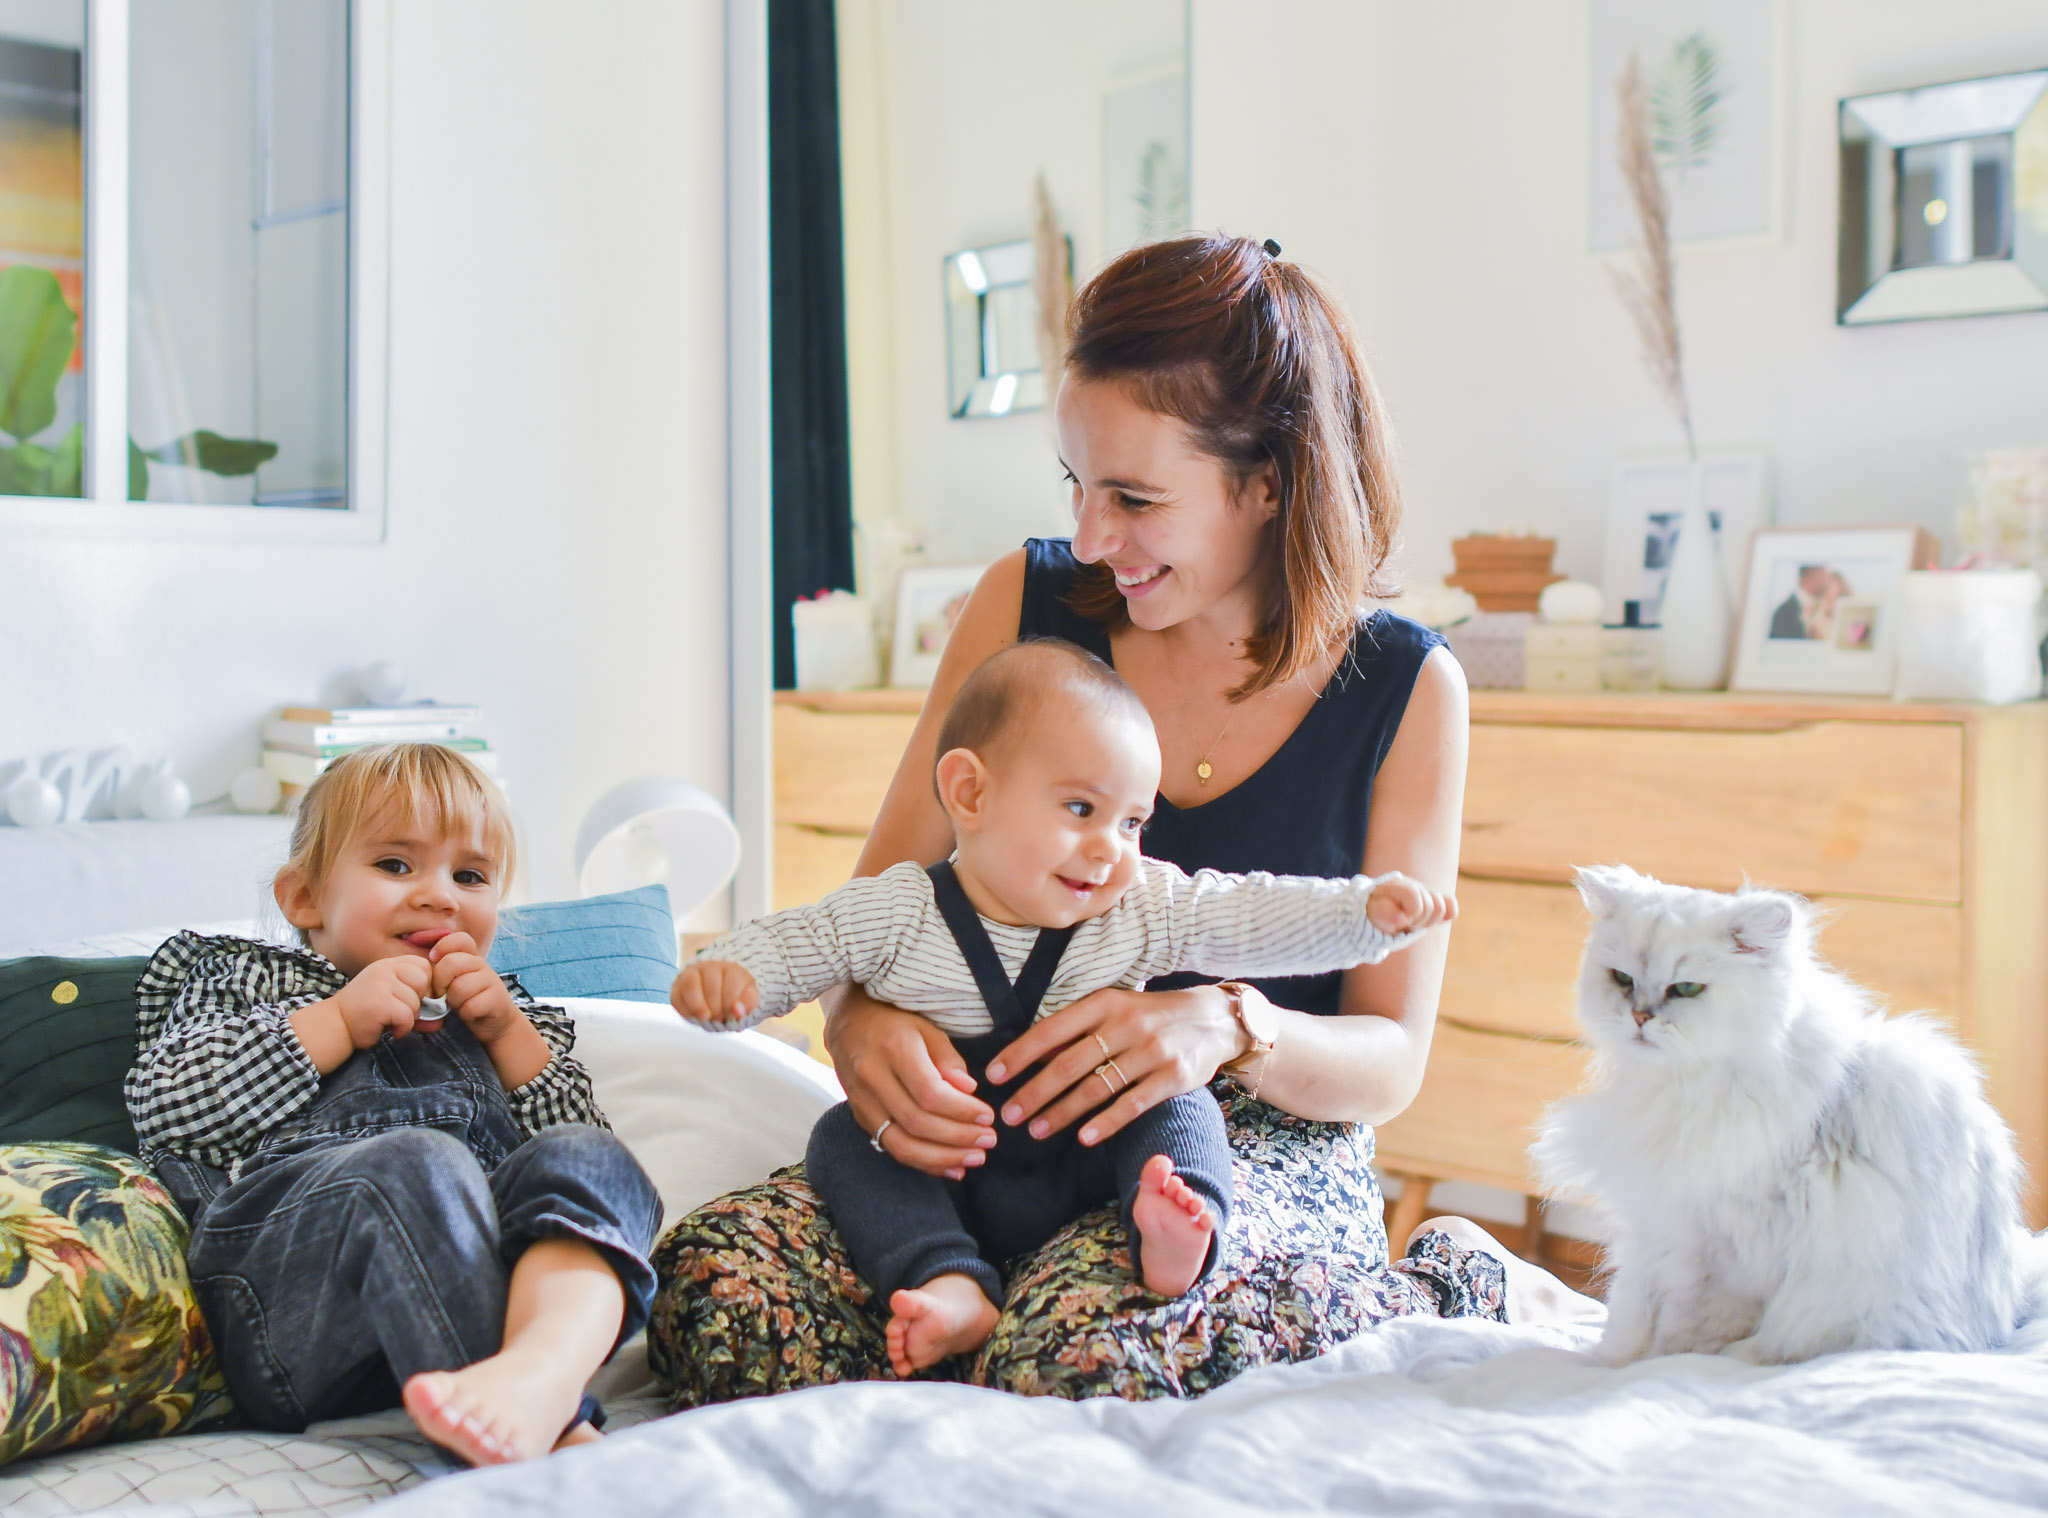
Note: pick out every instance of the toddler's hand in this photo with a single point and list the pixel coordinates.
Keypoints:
(714, 991)
(383, 998)
(1401, 905)
(472, 988)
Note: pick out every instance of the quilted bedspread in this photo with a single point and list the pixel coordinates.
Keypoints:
(1422, 1416)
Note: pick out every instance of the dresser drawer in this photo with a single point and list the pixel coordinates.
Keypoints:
(832, 768)
(1871, 809)
(809, 863)
(1514, 961)
(1476, 1115)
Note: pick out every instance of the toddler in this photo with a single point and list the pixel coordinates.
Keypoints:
(399, 1184)
(1048, 767)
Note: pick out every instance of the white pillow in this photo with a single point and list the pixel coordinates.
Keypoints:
(704, 1113)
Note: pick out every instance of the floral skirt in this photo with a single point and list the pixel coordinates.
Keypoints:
(758, 1294)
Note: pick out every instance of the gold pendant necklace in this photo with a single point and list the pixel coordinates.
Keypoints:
(1203, 769)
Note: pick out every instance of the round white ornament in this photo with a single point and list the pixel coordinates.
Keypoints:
(383, 683)
(1571, 601)
(33, 802)
(165, 797)
(255, 790)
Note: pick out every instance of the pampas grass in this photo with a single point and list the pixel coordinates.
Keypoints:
(1646, 289)
(1053, 282)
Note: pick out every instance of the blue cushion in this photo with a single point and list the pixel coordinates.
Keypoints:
(621, 946)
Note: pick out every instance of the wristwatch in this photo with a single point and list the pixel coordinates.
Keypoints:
(1261, 1025)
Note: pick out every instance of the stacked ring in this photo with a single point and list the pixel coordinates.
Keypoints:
(875, 1138)
(1110, 1064)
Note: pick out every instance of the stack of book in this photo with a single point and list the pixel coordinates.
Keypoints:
(301, 741)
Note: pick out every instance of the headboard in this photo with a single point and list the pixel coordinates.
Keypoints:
(91, 879)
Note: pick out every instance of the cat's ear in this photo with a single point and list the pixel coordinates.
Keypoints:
(1763, 922)
(1604, 887)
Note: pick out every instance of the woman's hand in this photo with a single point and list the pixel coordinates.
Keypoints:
(1165, 1043)
(898, 1068)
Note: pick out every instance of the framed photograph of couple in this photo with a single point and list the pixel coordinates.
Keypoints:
(1820, 608)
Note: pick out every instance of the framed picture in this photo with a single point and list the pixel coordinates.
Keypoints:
(1647, 504)
(1144, 161)
(1717, 82)
(929, 600)
(1820, 608)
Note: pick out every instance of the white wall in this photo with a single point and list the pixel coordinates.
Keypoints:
(557, 543)
(1430, 163)
(949, 111)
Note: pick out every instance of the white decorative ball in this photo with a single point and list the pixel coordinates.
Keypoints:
(165, 797)
(383, 683)
(33, 802)
(1571, 601)
(255, 790)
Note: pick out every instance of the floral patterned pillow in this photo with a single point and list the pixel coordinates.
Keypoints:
(100, 1337)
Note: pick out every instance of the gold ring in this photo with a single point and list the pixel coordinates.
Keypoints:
(875, 1138)
(1119, 1069)
(1101, 1044)
(1098, 1073)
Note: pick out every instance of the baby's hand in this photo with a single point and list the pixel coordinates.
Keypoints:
(714, 991)
(1401, 905)
(384, 998)
(472, 988)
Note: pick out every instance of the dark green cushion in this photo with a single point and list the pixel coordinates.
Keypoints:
(67, 1027)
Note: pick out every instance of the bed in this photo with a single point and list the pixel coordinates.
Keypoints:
(1422, 1416)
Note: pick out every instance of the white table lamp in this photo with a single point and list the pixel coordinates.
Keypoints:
(656, 831)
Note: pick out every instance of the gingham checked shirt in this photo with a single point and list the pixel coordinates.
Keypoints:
(218, 1064)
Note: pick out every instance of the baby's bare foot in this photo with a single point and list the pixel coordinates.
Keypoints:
(495, 1411)
(948, 1315)
(1175, 1226)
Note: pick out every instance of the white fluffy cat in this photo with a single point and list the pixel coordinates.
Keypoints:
(1784, 1171)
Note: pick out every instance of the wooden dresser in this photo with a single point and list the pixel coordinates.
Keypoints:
(1922, 829)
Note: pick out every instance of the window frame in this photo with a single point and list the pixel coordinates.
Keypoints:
(106, 512)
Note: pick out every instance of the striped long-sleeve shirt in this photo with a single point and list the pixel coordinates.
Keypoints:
(886, 934)
(218, 1064)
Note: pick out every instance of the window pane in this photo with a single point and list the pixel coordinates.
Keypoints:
(42, 247)
(238, 261)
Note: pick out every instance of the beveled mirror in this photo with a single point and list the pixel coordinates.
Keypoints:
(992, 363)
(1944, 208)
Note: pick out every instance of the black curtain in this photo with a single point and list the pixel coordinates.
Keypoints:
(813, 481)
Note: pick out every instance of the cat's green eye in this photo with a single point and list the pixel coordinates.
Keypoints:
(1687, 989)
(1626, 982)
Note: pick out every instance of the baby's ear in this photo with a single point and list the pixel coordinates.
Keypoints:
(960, 778)
(1763, 922)
(1603, 887)
(295, 899)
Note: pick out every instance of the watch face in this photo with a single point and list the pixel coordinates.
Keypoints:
(1260, 1020)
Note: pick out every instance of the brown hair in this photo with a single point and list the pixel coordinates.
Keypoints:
(422, 783)
(1262, 367)
(1011, 682)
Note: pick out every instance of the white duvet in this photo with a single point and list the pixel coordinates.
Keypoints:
(1418, 1417)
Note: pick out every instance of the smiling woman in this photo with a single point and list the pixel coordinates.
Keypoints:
(1234, 502)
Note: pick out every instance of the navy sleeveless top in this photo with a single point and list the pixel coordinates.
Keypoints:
(1303, 811)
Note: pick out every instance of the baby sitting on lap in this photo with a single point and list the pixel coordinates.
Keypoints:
(1048, 768)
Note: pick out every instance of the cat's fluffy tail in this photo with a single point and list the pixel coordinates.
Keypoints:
(2034, 1275)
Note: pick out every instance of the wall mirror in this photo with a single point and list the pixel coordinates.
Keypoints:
(993, 365)
(1945, 201)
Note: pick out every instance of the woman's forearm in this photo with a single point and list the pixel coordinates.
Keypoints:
(1360, 1068)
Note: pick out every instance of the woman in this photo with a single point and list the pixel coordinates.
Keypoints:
(1234, 501)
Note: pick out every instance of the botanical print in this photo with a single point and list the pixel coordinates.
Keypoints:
(758, 1294)
(100, 1337)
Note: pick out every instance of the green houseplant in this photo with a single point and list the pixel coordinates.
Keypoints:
(37, 332)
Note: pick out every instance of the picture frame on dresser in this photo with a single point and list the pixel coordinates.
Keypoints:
(1820, 608)
(1646, 504)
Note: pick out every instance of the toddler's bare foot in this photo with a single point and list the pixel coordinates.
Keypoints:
(948, 1315)
(495, 1411)
(1175, 1226)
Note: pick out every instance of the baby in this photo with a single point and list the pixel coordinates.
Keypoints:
(1048, 768)
(399, 1184)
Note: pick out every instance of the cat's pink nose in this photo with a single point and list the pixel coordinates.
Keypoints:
(1640, 1015)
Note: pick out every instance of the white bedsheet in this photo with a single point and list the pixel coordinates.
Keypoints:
(1419, 1417)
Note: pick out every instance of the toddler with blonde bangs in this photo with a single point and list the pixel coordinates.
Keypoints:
(400, 1186)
